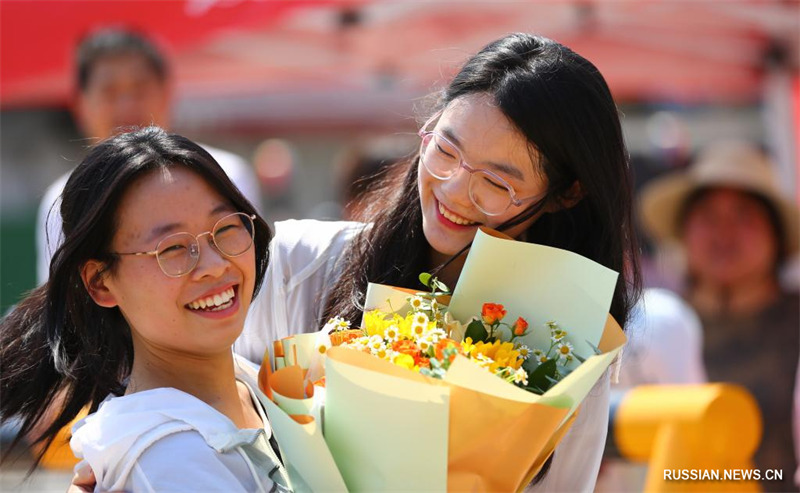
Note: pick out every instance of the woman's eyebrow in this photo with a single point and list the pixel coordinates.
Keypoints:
(221, 208)
(159, 231)
(163, 229)
(502, 167)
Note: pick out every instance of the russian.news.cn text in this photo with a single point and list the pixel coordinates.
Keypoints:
(723, 474)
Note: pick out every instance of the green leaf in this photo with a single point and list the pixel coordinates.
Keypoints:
(535, 390)
(551, 380)
(476, 331)
(542, 375)
(425, 279)
(594, 348)
(440, 286)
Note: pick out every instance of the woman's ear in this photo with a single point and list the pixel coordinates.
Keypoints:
(569, 199)
(94, 280)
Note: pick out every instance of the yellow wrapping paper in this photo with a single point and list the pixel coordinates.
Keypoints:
(388, 429)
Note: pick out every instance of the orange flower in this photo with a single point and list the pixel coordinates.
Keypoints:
(492, 313)
(520, 326)
(442, 345)
(340, 337)
(422, 362)
(406, 347)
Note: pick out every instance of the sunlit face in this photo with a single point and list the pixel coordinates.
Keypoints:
(729, 238)
(487, 139)
(122, 91)
(158, 308)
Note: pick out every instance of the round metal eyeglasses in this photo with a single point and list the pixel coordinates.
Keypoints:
(178, 253)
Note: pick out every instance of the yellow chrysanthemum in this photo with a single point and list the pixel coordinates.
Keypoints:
(404, 360)
(375, 322)
(467, 346)
(501, 353)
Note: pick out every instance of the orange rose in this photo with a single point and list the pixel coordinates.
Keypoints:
(492, 313)
(520, 326)
(406, 347)
(442, 345)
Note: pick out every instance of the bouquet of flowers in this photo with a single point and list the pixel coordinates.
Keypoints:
(426, 395)
(423, 340)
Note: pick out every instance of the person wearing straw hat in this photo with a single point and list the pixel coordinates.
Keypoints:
(737, 229)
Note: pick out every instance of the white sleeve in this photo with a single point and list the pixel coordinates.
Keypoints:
(576, 460)
(48, 228)
(676, 348)
(303, 266)
(183, 462)
(665, 342)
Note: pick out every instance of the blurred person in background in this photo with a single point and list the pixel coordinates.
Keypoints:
(665, 347)
(122, 81)
(737, 229)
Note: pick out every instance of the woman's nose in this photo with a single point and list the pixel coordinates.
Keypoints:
(211, 262)
(457, 187)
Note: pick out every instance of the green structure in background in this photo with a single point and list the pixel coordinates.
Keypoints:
(17, 257)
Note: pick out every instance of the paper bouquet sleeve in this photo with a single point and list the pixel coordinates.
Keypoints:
(379, 427)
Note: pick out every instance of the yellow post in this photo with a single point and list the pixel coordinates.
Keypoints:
(59, 455)
(696, 437)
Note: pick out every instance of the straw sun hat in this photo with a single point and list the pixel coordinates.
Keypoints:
(722, 165)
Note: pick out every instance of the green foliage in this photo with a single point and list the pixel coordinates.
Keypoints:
(544, 376)
(477, 332)
(436, 286)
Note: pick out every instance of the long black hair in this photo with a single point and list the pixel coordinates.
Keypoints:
(59, 350)
(560, 102)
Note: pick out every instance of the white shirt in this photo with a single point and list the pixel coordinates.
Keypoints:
(665, 342)
(305, 260)
(167, 440)
(48, 219)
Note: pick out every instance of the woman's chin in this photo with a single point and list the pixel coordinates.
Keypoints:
(447, 244)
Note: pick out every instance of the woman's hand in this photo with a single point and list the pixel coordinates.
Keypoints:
(83, 481)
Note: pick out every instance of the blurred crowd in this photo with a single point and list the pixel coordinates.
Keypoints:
(720, 242)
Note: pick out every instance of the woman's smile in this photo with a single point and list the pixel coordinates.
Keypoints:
(218, 303)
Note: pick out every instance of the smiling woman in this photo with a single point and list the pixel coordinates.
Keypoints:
(161, 259)
(526, 138)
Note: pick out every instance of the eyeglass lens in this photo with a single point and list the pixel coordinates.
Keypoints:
(442, 159)
(232, 235)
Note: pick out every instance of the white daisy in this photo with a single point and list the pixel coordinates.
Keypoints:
(564, 351)
(521, 376)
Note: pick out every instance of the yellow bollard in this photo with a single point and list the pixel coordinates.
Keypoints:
(59, 455)
(696, 437)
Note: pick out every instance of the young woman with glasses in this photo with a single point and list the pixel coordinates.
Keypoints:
(525, 139)
(161, 258)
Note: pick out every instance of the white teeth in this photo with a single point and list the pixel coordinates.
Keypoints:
(454, 218)
(214, 303)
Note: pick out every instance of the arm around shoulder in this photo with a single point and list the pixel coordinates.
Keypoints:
(183, 462)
